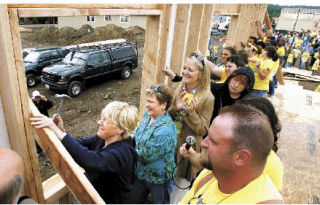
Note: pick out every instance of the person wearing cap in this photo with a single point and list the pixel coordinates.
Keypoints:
(41, 102)
(43, 105)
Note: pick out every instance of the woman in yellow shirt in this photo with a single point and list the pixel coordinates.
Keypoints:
(253, 57)
(315, 66)
(263, 71)
(221, 70)
(290, 59)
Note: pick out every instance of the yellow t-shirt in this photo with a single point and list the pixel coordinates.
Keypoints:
(305, 56)
(297, 43)
(317, 89)
(258, 190)
(315, 65)
(290, 58)
(223, 74)
(296, 53)
(252, 65)
(316, 54)
(281, 51)
(263, 84)
(274, 169)
(275, 68)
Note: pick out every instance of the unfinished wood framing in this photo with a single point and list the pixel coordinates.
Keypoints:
(179, 38)
(245, 24)
(194, 28)
(191, 32)
(205, 28)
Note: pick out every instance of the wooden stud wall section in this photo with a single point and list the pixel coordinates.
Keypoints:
(14, 101)
(150, 58)
(249, 14)
(68, 169)
(165, 25)
(179, 38)
(226, 9)
(194, 28)
(205, 28)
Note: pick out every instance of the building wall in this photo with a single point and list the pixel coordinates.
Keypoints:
(78, 21)
(4, 138)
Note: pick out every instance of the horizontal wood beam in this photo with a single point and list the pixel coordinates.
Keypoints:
(226, 9)
(62, 161)
(54, 188)
(87, 6)
(45, 12)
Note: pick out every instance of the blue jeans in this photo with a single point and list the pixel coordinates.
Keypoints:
(271, 88)
(160, 193)
(288, 65)
(302, 64)
(261, 93)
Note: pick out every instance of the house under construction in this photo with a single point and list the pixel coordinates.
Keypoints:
(168, 28)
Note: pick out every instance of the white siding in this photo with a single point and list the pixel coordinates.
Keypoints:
(78, 21)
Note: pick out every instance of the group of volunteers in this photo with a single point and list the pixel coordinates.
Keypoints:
(301, 47)
(236, 129)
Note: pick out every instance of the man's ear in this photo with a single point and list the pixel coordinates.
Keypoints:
(121, 131)
(242, 157)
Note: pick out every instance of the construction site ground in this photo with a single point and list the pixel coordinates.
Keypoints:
(298, 109)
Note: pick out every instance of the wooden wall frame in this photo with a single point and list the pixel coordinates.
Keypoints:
(191, 31)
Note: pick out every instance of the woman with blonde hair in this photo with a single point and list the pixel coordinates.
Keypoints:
(109, 156)
(192, 108)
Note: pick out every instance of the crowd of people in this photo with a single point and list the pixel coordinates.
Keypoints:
(233, 159)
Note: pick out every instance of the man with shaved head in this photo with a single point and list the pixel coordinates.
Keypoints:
(11, 176)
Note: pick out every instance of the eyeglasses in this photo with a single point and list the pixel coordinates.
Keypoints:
(157, 88)
(199, 58)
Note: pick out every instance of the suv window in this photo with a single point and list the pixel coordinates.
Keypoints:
(123, 52)
(44, 57)
(105, 57)
(94, 59)
(76, 58)
(32, 57)
(55, 54)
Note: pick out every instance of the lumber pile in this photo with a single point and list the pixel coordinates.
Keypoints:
(299, 75)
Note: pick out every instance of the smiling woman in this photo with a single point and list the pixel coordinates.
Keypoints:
(107, 157)
(192, 107)
(156, 140)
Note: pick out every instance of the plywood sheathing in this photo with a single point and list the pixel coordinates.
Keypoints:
(15, 100)
(243, 26)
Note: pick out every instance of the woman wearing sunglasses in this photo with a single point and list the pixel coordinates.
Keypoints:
(156, 140)
(192, 108)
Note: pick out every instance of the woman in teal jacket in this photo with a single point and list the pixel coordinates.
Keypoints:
(156, 140)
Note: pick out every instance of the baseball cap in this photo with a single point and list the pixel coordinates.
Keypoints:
(35, 93)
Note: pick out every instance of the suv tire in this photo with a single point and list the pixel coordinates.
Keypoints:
(31, 80)
(126, 72)
(75, 88)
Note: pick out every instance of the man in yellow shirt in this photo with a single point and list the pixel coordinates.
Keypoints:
(315, 66)
(238, 143)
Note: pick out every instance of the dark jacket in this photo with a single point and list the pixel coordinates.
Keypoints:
(221, 92)
(43, 106)
(110, 169)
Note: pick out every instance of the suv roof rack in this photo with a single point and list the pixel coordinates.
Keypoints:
(97, 43)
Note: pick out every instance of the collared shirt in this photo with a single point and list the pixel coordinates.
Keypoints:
(155, 145)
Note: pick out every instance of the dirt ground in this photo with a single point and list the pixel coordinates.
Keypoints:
(80, 114)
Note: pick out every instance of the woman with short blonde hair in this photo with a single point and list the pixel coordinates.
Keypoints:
(109, 156)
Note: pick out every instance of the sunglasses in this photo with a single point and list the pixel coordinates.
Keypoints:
(199, 58)
(156, 88)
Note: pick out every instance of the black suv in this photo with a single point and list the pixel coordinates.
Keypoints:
(81, 65)
(37, 59)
